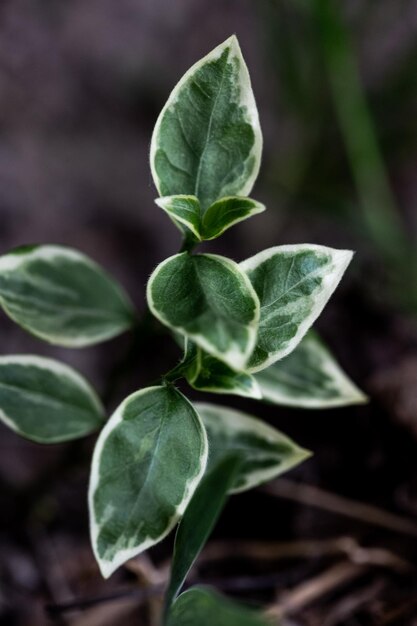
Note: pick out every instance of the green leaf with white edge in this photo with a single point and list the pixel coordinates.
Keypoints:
(206, 373)
(208, 299)
(207, 141)
(147, 463)
(226, 212)
(185, 212)
(47, 401)
(204, 607)
(309, 377)
(264, 451)
(293, 284)
(198, 522)
(62, 296)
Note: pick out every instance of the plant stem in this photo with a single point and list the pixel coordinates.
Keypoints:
(176, 373)
(188, 243)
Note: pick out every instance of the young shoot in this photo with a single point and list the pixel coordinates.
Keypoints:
(245, 327)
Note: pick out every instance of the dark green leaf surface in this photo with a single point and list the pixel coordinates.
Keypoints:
(210, 300)
(147, 463)
(199, 520)
(264, 451)
(309, 377)
(62, 296)
(226, 212)
(46, 401)
(207, 140)
(293, 284)
(203, 607)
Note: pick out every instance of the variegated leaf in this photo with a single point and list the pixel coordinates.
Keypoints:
(208, 299)
(47, 401)
(62, 296)
(147, 463)
(185, 212)
(207, 140)
(293, 284)
(264, 451)
(309, 377)
(227, 212)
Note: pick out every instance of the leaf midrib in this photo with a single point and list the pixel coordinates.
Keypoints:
(211, 302)
(209, 127)
(16, 302)
(309, 276)
(144, 484)
(54, 403)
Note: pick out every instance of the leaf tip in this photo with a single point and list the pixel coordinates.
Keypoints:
(343, 258)
(161, 202)
(304, 455)
(359, 397)
(233, 41)
(106, 568)
(259, 207)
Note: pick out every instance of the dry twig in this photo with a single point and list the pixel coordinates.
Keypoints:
(314, 496)
(349, 605)
(305, 549)
(289, 602)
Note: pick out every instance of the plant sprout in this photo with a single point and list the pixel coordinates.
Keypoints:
(246, 329)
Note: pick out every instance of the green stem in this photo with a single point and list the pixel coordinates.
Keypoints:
(177, 372)
(189, 242)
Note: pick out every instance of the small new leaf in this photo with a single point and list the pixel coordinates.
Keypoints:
(206, 373)
(293, 284)
(192, 221)
(46, 401)
(207, 141)
(226, 212)
(310, 378)
(198, 522)
(185, 212)
(147, 463)
(208, 299)
(207, 608)
(62, 296)
(265, 452)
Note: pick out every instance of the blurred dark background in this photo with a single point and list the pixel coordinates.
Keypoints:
(81, 85)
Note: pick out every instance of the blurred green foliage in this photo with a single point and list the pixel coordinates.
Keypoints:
(338, 160)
